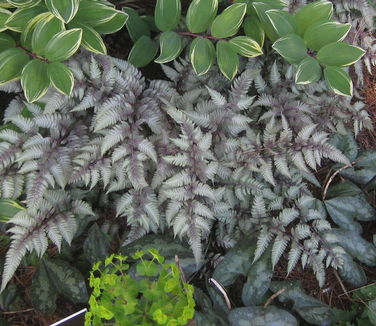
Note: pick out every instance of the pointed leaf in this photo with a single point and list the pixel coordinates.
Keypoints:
(261, 8)
(351, 272)
(34, 80)
(229, 21)
(6, 42)
(252, 28)
(12, 62)
(339, 81)
(228, 60)
(20, 18)
(202, 55)
(4, 16)
(282, 21)
(135, 25)
(200, 15)
(339, 54)
(309, 71)
(94, 252)
(167, 14)
(291, 48)
(8, 208)
(246, 47)
(170, 46)
(113, 25)
(91, 40)
(65, 10)
(94, 13)
(143, 52)
(61, 77)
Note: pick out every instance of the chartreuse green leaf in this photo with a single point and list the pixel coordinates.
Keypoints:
(61, 77)
(63, 45)
(339, 54)
(309, 71)
(115, 24)
(12, 62)
(167, 14)
(171, 46)
(135, 25)
(143, 52)
(65, 10)
(291, 48)
(322, 33)
(246, 46)
(282, 21)
(200, 15)
(45, 29)
(338, 80)
(34, 80)
(202, 55)
(23, 3)
(253, 29)
(313, 13)
(8, 208)
(228, 60)
(229, 21)
(6, 42)
(91, 40)
(21, 17)
(4, 15)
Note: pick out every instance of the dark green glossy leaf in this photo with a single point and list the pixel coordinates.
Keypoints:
(200, 15)
(143, 52)
(171, 45)
(253, 29)
(8, 297)
(346, 144)
(12, 61)
(135, 25)
(96, 245)
(365, 168)
(227, 58)
(167, 14)
(351, 272)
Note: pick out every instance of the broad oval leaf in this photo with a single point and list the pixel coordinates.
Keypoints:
(167, 14)
(171, 45)
(61, 77)
(246, 46)
(229, 21)
(34, 80)
(253, 29)
(143, 52)
(94, 252)
(339, 54)
(21, 17)
(313, 13)
(228, 60)
(27, 32)
(4, 16)
(94, 13)
(202, 55)
(135, 25)
(309, 71)
(63, 45)
(260, 9)
(6, 42)
(351, 272)
(91, 40)
(323, 33)
(282, 21)
(12, 61)
(291, 48)
(65, 10)
(115, 24)
(200, 15)
(23, 3)
(45, 29)
(339, 81)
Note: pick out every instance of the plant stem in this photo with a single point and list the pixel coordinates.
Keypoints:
(33, 55)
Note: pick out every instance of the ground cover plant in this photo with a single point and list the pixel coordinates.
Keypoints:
(238, 161)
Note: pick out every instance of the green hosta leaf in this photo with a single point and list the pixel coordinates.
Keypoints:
(258, 280)
(12, 62)
(65, 10)
(351, 272)
(291, 48)
(229, 21)
(91, 40)
(4, 15)
(23, 3)
(45, 29)
(43, 293)
(252, 28)
(171, 46)
(246, 46)
(94, 252)
(94, 13)
(228, 60)
(8, 208)
(34, 80)
(21, 17)
(202, 55)
(282, 21)
(67, 280)
(322, 33)
(61, 77)
(115, 24)
(27, 33)
(338, 80)
(167, 14)
(259, 316)
(261, 8)
(63, 45)
(309, 71)
(200, 15)
(135, 25)
(6, 42)
(339, 54)
(143, 52)
(313, 13)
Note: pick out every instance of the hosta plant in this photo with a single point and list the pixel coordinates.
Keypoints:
(37, 36)
(146, 293)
